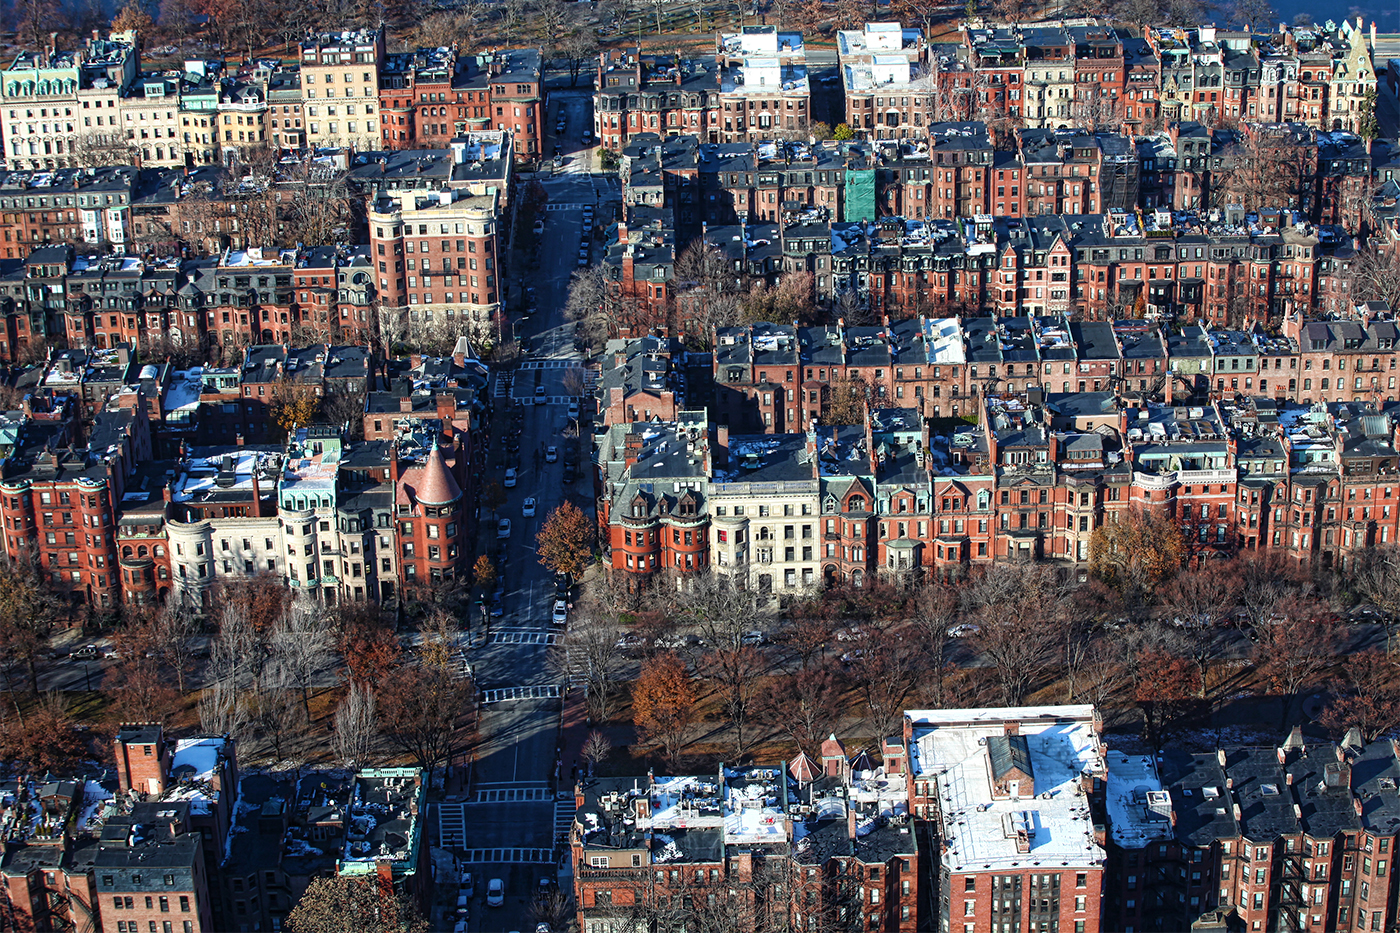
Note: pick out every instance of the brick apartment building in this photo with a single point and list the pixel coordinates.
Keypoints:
(800, 841)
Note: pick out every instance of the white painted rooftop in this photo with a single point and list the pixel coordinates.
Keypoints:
(950, 747)
(945, 346)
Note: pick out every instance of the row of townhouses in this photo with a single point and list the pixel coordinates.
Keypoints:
(128, 483)
(177, 840)
(91, 278)
(96, 106)
(991, 439)
(1003, 819)
(1081, 72)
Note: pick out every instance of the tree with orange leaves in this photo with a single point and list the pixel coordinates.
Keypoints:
(663, 705)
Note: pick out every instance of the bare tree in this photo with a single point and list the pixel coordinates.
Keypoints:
(174, 628)
(1016, 607)
(589, 654)
(885, 671)
(356, 727)
(321, 206)
(301, 647)
(1375, 276)
(933, 610)
(224, 710)
(1196, 598)
(596, 749)
(725, 616)
(281, 719)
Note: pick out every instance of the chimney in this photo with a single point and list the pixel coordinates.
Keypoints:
(406, 403)
(721, 457)
(257, 493)
(1012, 728)
(394, 462)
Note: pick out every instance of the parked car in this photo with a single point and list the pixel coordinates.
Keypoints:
(511, 475)
(528, 508)
(573, 409)
(463, 905)
(468, 884)
(503, 528)
(561, 612)
(86, 653)
(551, 454)
(495, 892)
(964, 630)
(754, 637)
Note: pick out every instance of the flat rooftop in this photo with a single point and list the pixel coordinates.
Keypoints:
(981, 830)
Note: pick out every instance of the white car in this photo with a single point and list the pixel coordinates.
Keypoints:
(539, 227)
(503, 528)
(561, 612)
(528, 509)
(495, 892)
(551, 454)
(573, 410)
(511, 477)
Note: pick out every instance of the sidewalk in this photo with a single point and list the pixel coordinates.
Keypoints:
(573, 732)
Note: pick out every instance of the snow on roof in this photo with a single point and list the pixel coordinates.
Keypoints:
(951, 747)
(201, 754)
(184, 389)
(945, 341)
(1139, 809)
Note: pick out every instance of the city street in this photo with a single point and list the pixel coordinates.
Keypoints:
(511, 818)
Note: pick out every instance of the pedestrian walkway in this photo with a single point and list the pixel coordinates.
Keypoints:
(564, 810)
(503, 694)
(514, 795)
(509, 856)
(452, 825)
(523, 638)
(550, 364)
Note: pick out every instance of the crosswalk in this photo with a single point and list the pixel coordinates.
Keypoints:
(525, 399)
(452, 825)
(523, 638)
(503, 694)
(516, 856)
(565, 207)
(549, 364)
(500, 387)
(514, 795)
(564, 810)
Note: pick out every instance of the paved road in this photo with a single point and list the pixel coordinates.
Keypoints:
(508, 826)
